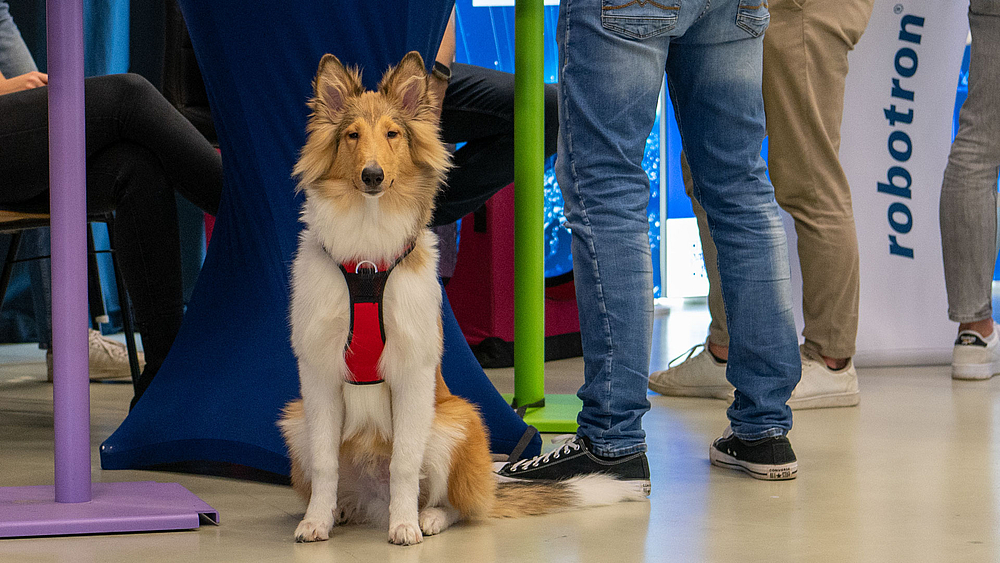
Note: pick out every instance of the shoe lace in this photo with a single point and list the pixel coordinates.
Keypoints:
(687, 355)
(568, 443)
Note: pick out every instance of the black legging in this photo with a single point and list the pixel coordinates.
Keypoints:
(139, 150)
(478, 110)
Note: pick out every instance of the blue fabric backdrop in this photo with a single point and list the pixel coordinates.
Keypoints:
(231, 369)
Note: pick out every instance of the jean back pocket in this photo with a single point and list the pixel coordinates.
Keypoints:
(753, 17)
(640, 19)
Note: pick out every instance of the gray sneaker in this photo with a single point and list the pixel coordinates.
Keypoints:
(108, 358)
(697, 375)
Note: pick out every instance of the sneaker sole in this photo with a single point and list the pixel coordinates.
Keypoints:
(101, 374)
(713, 392)
(643, 486)
(832, 400)
(976, 372)
(760, 471)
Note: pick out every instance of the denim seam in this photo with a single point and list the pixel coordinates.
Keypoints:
(769, 433)
(742, 24)
(986, 313)
(627, 4)
(610, 23)
(708, 3)
(617, 452)
(747, 21)
(583, 214)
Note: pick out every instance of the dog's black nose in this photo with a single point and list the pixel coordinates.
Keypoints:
(372, 176)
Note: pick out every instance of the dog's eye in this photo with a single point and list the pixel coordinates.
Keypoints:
(392, 134)
(352, 135)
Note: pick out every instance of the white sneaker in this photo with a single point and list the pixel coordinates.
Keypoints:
(698, 375)
(108, 359)
(822, 387)
(976, 357)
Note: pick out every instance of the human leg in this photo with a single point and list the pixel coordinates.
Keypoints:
(715, 87)
(701, 373)
(119, 107)
(968, 205)
(25, 139)
(129, 179)
(127, 107)
(606, 111)
(805, 63)
(139, 149)
(478, 110)
(805, 66)
(969, 189)
(718, 332)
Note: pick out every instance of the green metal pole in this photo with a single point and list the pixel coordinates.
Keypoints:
(529, 210)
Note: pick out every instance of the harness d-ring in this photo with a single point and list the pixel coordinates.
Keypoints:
(357, 268)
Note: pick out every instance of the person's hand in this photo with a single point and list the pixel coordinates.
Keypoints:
(33, 79)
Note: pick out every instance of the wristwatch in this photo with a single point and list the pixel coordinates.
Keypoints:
(441, 71)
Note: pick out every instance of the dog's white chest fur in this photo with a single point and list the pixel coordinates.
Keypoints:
(320, 315)
(367, 412)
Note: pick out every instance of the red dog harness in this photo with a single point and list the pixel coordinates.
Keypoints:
(366, 339)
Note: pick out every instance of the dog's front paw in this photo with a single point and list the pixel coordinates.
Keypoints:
(310, 530)
(406, 533)
(433, 520)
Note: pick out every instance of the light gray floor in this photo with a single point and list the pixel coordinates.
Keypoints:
(910, 475)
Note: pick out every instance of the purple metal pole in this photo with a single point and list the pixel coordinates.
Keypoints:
(68, 201)
(78, 508)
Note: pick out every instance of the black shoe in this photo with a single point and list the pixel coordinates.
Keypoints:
(771, 459)
(574, 458)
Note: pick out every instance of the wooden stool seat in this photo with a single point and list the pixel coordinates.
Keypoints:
(16, 222)
(12, 221)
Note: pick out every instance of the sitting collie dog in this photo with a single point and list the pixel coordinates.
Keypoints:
(377, 437)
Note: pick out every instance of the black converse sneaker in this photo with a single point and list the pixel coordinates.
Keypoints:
(771, 459)
(573, 458)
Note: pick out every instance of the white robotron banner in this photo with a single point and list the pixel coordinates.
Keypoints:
(896, 135)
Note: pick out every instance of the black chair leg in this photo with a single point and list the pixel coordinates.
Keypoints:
(98, 312)
(8, 265)
(126, 309)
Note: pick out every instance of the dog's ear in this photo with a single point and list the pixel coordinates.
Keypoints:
(407, 82)
(334, 84)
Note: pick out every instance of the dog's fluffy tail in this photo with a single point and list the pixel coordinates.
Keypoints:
(515, 498)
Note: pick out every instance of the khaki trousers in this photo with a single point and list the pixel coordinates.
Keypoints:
(805, 65)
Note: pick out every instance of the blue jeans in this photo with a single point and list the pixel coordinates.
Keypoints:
(612, 61)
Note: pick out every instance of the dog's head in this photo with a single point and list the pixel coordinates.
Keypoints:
(373, 145)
